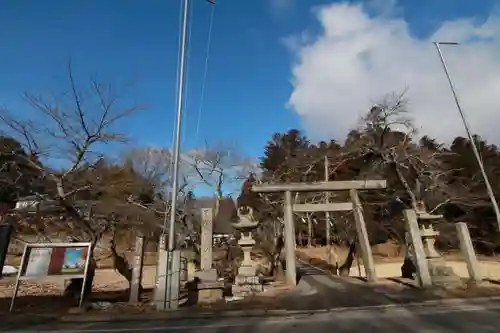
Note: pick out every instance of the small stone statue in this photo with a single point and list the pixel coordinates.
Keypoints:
(245, 215)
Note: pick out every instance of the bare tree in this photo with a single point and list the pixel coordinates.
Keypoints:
(220, 167)
(386, 143)
(383, 145)
(70, 130)
(154, 164)
(150, 162)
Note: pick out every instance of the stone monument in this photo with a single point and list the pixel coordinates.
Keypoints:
(207, 272)
(246, 282)
(205, 287)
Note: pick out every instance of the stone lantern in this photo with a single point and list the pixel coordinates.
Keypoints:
(440, 273)
(246, 282)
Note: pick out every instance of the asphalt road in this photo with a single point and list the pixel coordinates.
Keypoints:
(480, 317)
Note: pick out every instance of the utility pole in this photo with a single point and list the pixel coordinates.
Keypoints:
(469, 134)
(327, 214)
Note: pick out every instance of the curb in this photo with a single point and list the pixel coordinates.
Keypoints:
(183, 315)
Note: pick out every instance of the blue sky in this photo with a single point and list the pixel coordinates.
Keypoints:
(250, 69)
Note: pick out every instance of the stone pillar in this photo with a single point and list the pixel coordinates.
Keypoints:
(207, 273)
(191, 269)
(417, 248)
(206, 238)
(291, 272)
(468, 252)
(135, 285)
(363, 240)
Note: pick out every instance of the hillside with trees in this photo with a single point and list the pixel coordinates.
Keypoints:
(386, 145)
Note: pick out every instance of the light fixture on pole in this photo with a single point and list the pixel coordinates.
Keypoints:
(467, 129)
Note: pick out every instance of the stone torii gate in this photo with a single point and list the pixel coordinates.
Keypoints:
(354, 204)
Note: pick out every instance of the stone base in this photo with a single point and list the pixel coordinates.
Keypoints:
(247, 279)
(442, 275)
(247, 285)
(205, 292)
(209, 295)
(246, 290)
(209, 275)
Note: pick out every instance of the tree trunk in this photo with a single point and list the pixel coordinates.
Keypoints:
(120, 263)
(346, 266)
(309, 231)
(276, 264)
(220, 196)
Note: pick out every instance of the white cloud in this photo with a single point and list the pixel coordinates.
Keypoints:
(357, 59)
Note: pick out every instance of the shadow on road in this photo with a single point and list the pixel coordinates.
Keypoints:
(401, 320)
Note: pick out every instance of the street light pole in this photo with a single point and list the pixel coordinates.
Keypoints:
(165, 282)
(177, 143)
(469, 134)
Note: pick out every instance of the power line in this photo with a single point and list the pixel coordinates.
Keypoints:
(205, 71)
(188, 71)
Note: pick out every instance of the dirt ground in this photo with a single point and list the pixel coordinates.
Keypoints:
(105, 280)
(388, 260)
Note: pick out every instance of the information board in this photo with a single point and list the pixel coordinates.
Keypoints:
(66, 260)
(54, 260)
